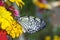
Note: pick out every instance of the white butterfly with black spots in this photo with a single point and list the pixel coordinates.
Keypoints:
(31, 24)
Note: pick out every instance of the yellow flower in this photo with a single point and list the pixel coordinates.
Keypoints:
(15, 30)
(41, 5)
(18, 2)
(5, 18)
(9, 24)
(56, 37)
(47, 38)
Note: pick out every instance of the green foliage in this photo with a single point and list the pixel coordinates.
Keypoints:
(28, 9)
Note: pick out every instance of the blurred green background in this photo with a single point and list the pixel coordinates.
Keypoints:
(49, 32)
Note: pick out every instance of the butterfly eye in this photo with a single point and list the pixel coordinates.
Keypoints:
(32, 24)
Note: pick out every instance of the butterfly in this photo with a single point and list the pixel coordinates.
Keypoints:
(31, 24)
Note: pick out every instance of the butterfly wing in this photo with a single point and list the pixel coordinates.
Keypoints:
(31, 24)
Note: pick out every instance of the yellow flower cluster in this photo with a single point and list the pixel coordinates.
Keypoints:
(15, 30)
(9, 24)
(5, 18)
(18, 2)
